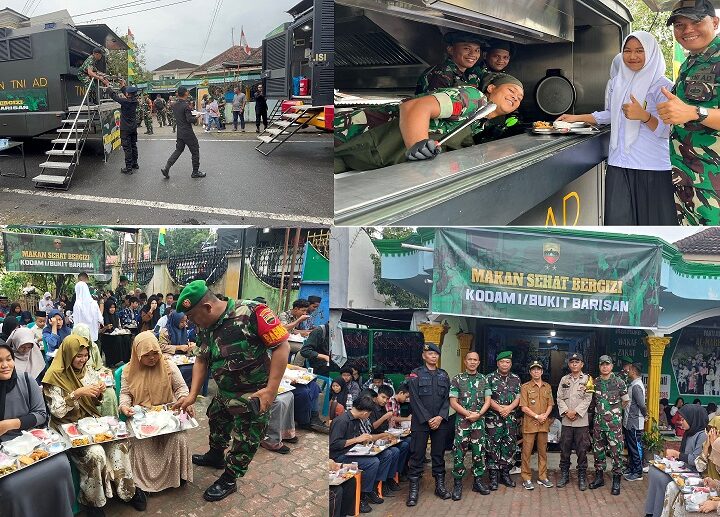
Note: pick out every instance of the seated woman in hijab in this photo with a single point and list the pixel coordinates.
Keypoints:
(109, 406)
(55, 331)
(174, 336)
(693, 419)
(73, 391)
(152, 379)
(149, 314)
(111, 318)
(27, 354)
(23, 317)
(46, 488)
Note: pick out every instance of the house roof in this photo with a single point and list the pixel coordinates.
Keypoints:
(175, 64)
(235, 55)
(706, 242)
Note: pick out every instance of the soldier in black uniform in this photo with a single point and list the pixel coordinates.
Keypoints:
(429, 400)
(128, 124)
(185, 135)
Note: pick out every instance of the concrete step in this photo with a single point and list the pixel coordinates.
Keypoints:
(55, 165)
(47, 178)
(60, 152)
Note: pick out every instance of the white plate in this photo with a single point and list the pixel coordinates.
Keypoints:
(561, 124)
(21, 445)
(582, 130)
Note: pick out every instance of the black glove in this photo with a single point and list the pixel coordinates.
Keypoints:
(423, 150)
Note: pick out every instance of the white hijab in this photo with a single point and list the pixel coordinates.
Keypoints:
(637, 83)
(614, 69)
(31, 362)
(86, 310)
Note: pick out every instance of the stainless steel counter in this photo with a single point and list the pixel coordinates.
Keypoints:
(487, 184)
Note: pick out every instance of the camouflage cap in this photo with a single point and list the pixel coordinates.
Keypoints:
(453, 37)
(431, 347)
(536, 364)
(693, 9)
(507, 354)
(575, 357)
(626, 359)
(191, 295)
(605, 359)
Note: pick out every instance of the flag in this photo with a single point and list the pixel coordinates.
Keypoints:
(243, 42)
(161, 236)
(678, 59)
(132, 64)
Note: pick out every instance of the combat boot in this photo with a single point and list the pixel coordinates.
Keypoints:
(505, 478)
(457, 490)
(213, 458)
(564, 477)
(598, 481)
(479, 486)
(493, 479)
(440, 489)
(616, 485)
(413, 491)
(582, 480)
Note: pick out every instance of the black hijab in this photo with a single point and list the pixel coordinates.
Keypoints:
(113, 319)
(9, 324)
(697, 418)
(8, 385)
(342, 396)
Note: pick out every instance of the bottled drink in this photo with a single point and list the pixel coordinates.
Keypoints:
(349, 403)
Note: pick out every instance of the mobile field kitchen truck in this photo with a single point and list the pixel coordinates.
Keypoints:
(563, 52)
(41, 95)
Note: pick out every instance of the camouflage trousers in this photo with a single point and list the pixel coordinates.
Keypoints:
(147, 118)
(501, 443)
(607, 443)
(161, 118)
(696, 206)
(473, 439)
(245, 431)
(171, 119)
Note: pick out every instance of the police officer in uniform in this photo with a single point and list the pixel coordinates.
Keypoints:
(463, 53)
(182, 113)
(501, 421)
(245, 346)
(128, 124)
(429, 389)
(610, 397)
(574, 396)
(470, 398)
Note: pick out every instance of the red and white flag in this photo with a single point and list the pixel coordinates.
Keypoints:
(243, 43)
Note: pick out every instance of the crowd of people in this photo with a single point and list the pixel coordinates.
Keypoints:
(51, 369)
(498, 420)
(697, 374)
(664, 137)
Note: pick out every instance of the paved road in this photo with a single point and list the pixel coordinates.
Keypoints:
(292, 186)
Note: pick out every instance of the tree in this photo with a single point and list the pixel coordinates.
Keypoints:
(396, 295)
(178, 241)
(646, 20)
(117, 62)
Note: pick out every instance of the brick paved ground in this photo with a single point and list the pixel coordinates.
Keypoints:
(541, 502)
(276, 485)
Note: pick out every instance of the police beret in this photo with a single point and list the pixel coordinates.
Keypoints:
(575, 357)
(191, 295)
(453, 37)
(605, 359)
(431, 347)
(536, 364)
(507, 354)
(626, 359)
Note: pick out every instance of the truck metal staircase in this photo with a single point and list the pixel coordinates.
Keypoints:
(286, 125)
(64, 156)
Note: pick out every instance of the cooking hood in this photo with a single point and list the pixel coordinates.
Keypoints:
(522, 21)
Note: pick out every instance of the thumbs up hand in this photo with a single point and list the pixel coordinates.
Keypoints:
(675, 111)
(634, 110)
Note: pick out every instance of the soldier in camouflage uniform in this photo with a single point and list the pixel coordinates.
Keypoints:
(221, 106)
(464, 50)
(692, 108)
(170, 114)
(372, 138)
(470, 398)
(87, 72)
(245, 346)
(501, 421)
(146, 113)
(607, 436)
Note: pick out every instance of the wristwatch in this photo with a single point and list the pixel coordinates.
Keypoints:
(702, 113)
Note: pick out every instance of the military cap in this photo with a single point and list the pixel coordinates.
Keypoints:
(501, 45)
(693, 9)
(625, 359)
(431, 347)
(507, 354)
(453, 37)
(191, 295)
(123, 278)
(536, 364)
(575, 357)
(605, 359)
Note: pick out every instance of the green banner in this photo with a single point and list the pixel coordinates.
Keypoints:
(26, 99)
(507, 274)
(30, 253)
